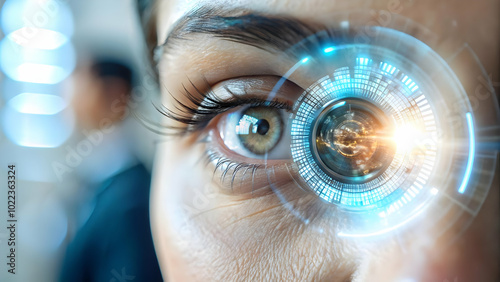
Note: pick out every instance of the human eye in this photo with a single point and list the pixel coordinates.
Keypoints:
(256, 132)
(370, 120)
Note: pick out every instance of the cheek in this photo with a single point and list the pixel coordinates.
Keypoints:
(202, 234)
(183, 228)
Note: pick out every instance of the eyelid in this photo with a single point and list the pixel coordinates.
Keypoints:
(257, 86)
(202, 107)
(255, 90)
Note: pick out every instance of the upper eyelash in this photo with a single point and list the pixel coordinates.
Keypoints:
(202, 107)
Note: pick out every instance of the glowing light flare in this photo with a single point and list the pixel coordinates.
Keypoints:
(407, 136)
(334, 86)
(472, 148)
(340, 104)
(329, 50)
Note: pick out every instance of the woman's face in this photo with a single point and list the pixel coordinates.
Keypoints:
(209, 225)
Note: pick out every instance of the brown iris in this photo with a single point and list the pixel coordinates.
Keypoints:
(259, 129)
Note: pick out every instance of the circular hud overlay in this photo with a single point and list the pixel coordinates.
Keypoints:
(386, 132)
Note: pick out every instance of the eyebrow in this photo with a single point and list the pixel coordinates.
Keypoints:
(270, 33)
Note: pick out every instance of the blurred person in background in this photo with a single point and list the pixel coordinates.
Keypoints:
(115, 241)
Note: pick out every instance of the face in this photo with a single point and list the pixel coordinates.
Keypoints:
(228, 206)
(95, 96)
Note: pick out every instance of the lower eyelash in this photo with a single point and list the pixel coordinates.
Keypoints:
(229, 168)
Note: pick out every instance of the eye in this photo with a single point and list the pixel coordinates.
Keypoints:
(382, 130)
(368, 134)
(256, 132)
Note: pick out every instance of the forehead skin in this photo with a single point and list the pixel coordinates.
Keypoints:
(188, 252)
(473, 22)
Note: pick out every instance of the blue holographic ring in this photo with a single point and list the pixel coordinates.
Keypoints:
(376, 82)
(470, 159)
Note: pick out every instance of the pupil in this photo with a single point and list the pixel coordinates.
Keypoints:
(262, 126)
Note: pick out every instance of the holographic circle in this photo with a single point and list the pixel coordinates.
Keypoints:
(407, 144)
(376, 90)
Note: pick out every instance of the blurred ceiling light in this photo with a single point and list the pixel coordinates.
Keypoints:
(53, 15)
(39, 104)
(40, 131)
(39, 73)
(39, 38)
(36, 65)
(11, 16)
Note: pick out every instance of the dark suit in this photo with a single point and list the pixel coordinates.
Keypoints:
(116, 244)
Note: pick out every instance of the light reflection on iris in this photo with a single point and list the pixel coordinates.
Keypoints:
(246, 122)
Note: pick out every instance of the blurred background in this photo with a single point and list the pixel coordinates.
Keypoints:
(47, 49)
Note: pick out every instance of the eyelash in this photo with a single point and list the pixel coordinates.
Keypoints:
(227, 165)
(202, 107)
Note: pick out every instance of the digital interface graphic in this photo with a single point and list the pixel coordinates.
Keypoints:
(381, 135)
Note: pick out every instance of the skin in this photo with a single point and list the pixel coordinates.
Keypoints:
(206, 231)
(97, 99)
